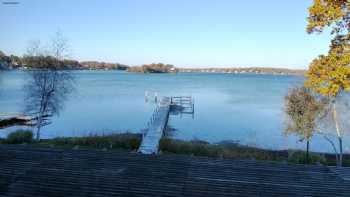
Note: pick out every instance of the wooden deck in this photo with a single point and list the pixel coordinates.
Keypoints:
(19, 120)
(41, 172)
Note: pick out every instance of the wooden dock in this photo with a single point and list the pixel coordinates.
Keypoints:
(159, 120)
(15, 119)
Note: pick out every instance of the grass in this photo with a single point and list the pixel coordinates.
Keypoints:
(123, 141)
(132, 141)
(237, 151)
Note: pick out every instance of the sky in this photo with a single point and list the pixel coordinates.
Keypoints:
(185, 33)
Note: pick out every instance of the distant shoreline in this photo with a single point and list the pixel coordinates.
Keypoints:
(233, 70)
(247, 70)
(13, 62)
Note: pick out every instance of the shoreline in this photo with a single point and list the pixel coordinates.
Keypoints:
(246, 70)
(130, 142)
(237, 71)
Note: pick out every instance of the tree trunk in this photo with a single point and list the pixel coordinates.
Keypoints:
(38, 126)
(334, 148)
(307, 152)
(335, 119)
(38, 133)
(340, 151)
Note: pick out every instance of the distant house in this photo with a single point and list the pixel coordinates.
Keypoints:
(173, 70)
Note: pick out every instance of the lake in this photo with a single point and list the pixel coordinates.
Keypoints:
(246, 108)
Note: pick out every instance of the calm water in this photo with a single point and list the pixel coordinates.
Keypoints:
(245, 108)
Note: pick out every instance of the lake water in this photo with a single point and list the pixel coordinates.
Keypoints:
(241, 107)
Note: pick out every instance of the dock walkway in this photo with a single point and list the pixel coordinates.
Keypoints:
(159, 120)
(156, 127)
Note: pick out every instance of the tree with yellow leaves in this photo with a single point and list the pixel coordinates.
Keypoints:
(329, 75)
(303, 110)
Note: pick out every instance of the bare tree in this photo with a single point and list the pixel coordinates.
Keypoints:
(34, 48)
(49, 84)
(335, 123)
(59, 47)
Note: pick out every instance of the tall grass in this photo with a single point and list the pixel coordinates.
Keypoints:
(126, 141)
(237, 151)
(131, 142)
(225, 150)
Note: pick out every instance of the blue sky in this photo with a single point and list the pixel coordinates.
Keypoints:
(196, 33)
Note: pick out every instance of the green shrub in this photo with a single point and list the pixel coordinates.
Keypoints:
(237, 151)
(222, 150)
(19, 137)
(300, 158)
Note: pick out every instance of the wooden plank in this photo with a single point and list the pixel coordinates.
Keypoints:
(30, 171)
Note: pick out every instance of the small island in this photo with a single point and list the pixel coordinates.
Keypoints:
(153, 68)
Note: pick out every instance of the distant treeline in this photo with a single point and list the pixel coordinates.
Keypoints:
(32, 62)
(103, 65)
(37, 62)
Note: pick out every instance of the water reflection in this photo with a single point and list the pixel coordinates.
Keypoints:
(170, 131)
(1, 85)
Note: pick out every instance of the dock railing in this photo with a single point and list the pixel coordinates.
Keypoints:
(165, 101)
(186, 104)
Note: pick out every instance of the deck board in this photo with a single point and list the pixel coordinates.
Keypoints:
(32, 171)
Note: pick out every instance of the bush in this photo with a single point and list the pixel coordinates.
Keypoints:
(300, 158)
(19, 137)
(221, 150)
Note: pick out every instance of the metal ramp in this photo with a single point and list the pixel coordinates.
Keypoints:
(159, 120)
(155, 127)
